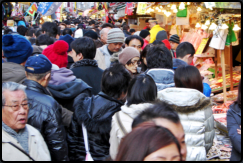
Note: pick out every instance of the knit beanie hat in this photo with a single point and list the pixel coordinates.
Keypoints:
(92, 34)
(161, 35)
(68, 39)
(144, 33)
(175, 38)
(16, 48)
(115, 35)
(127, 54)
(78, 33)
(167, 43)
(21, 23)
(57, 53)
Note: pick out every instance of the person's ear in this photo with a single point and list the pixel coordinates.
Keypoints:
(80, 56)
(25, 73)
(47, 77)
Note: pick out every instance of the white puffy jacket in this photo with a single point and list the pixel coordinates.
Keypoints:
(196, 116)
(126, 115)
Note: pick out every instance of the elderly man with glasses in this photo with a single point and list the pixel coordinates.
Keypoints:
(20, 141)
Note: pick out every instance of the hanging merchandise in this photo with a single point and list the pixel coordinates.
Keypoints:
(219, 38)
(182, 20)
(231, 35)
(129, 8)
(15, 11)
(53, 8)
(182, 13)
(32, 9)
(140, 8)
(43, 7)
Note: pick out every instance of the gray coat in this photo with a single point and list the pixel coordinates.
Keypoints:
(13, 72)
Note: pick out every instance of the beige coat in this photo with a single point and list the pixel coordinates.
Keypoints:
(37, 147)
(127, 114)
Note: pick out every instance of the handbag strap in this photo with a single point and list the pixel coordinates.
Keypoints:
(85, 135)
(21, 150)
(120, 124)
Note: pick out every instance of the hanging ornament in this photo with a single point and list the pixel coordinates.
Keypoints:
(199, 9)
(198, 25)
(173, 7)
(213, 26)
(204, 27)
(182, 6)
(236, 27)
(207, 22)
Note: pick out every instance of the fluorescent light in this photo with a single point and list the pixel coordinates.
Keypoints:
(198, 25)
(236, 27)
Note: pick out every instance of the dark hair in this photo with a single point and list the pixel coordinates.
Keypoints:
(50, 28)
(107, 25)
(132, 30)
(188, 77)
(141, 89)
(44, 39)
(145, 139)
(143, 55)
(91, 22)
(67, 31)
(84, 45)
(126, 27)
(184, 48)
(38, 32)
(63, 24)
(159, 109)
(76, 21)
(30, 32)
(147, 20)
(59, 32)
(158, 42)
(159, 56)
(7, 31)
(238, 101)
(130, 38)
(115, 80)
(22, 30)
(37, 76)
(98, 43)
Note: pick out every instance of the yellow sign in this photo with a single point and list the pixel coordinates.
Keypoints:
(140, 7)
(202, 46)
(80, 13)
(10, 23)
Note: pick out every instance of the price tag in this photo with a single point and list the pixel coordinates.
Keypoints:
(202, 46)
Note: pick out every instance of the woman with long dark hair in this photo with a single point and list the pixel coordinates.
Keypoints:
(149, 142)
(194, 110)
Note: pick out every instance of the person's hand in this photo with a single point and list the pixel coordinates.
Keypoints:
(239, 130)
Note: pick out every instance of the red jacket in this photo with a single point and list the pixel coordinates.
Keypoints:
(145, 43)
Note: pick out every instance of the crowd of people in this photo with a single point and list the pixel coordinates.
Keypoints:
(83, 89)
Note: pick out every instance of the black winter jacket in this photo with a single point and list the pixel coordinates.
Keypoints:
(89, 72)
(45, 114)
(96, 113)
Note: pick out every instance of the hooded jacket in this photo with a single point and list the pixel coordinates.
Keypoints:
(13, 72)
(126, 33)
(163, 78)
(103, 57)
(45, 114)
(196, 116)
(233, 123)
(154, 31)
(96, 113)
(126, 115)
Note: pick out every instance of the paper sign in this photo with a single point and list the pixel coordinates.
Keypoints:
(140, 8)
(10, 23)
(209, 4)
(202, 46)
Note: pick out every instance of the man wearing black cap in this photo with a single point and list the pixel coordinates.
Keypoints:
(45, 114)
(174, 42)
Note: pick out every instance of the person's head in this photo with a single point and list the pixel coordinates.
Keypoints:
(185, 51)
(44, 39)
(164, 115)
(107, 25)
(92, 34)
(188, 77)
(38, 68)
(159, 56)
(7, 31)
(104, 34)
(152, 22)
(63, 26)
(67, 31)
(21, 23)
(57, 53)
(126, 28)
(132, 31)
(147, 23)
(149, 142)
(142, 89)
(238, 101)
(83, 48)
(134, 41)
(115, 39)
(92, 23)
(50, 29)
(38, 33)
(78, 33)
(161, 35)
(115, 81)
(68, 23)
(144, 54)
(174, 41)
(158, 42)
(15, 105)
(31, 33)
(129, 57)
(145, 34)
(16, 48)
(22, 30)
(69, 39)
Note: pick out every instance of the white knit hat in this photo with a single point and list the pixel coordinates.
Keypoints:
(78, 33)
(115, 35)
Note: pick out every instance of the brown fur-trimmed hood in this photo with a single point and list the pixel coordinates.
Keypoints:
(184, 100)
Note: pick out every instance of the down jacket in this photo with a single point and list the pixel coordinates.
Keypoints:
(154, 31)
(96, 113)
(126, 115)
(37, 147)
(196, 116)
(45, 114)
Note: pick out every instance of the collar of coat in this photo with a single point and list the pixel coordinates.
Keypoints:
(35, 86)
(85, 62)
(184, 100)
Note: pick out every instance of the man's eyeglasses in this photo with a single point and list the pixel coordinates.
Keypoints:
(137, 62)
(17, 107)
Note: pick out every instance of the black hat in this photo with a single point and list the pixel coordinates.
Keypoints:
(175, 38)
(144, 33)
(92, 34)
